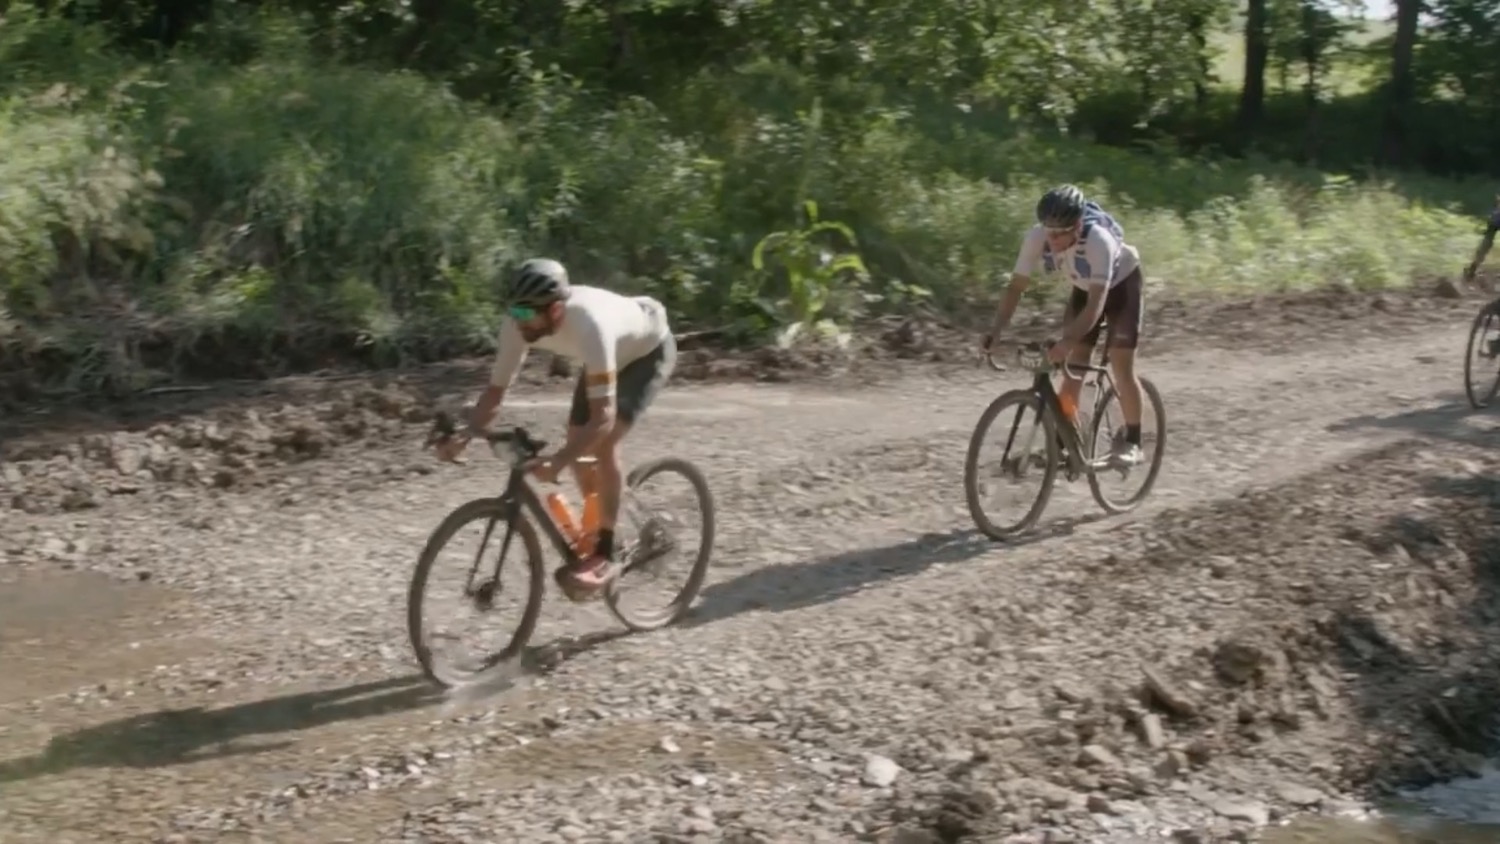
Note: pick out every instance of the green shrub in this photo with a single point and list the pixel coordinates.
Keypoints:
(275, 212)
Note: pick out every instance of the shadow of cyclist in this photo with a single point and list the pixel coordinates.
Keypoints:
(792, 586)
(177, 736)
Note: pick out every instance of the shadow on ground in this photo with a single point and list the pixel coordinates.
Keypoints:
(794, 586)
(535, 661)
(1453, 420)
(177, 736)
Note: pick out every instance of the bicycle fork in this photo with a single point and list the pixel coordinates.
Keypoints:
(1068, 440)
(1018, 465)
(484, 594)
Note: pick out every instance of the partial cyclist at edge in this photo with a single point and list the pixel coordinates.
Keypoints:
(1075, 236)
(1485, 243)
(627, 351)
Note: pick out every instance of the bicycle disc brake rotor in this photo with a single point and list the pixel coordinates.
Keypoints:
(1014, 468)
(652, 546)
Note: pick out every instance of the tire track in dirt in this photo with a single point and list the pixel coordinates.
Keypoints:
(311, 594)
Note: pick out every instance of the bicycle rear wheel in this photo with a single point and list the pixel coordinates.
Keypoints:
(487, 581)
(1480, 358)
(1031, 451)
(1109, 419)
(662, 544)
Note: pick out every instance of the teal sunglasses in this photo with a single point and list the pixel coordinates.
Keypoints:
(521, 313)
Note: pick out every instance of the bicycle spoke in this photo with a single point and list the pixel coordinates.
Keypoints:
(489, 530)
(460, 621)
(1117, 487)
(988, 477)
(1027, 456)
(671, 537)
(1480, 358)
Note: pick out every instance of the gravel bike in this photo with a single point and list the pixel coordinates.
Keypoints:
(1485, 347)
(519, 509)
(1052, 441)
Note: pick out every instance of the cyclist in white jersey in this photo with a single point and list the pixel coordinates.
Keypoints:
(627, 352)
(1078, 239)
(1492, 226)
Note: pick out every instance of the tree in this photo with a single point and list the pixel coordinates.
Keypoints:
(1257, 50)
(1401, 89)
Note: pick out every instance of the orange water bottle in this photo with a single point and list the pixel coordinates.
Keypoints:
(1069, 406)
(557, 505)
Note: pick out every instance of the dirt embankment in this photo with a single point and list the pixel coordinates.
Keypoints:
(1340, 637)
(69, 455)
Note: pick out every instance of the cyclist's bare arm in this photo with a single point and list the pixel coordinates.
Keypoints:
(1009, 302)
(1486, 242)
(1088, 317)
(1028, 259)
(1484, 249)
(508, 359)
(487, 408)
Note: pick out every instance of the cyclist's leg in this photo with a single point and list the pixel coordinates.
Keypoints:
(1071, 387)
(639, 383)
(587, 475)
(1124, 307)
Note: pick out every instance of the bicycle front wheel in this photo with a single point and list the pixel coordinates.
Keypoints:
(484, 584)
(1481, 373)
(1030, 452)
(1109, 423)
(663, 500)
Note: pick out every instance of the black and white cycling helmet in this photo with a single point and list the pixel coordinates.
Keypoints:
(1060, 207)
(538, 283)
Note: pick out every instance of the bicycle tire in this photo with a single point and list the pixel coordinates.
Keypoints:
(982, 520)
(1485, 314)
(479, 508)
(679, 605)
(1159, 409)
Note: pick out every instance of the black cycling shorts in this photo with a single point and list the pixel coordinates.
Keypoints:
(1122, 308)
(635, 388)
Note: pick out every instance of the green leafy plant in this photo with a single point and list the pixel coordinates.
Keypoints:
(816, 274)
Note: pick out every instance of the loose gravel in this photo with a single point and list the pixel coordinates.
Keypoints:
(201, 619)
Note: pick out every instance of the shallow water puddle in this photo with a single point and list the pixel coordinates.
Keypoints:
(1463, 811)
(63, 629)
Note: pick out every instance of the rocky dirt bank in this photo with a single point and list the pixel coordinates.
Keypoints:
(70, 456)
(1300, 648)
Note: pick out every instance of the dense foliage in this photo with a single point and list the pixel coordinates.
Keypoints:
(196, 186)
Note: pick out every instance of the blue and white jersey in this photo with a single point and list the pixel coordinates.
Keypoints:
(1098, 257)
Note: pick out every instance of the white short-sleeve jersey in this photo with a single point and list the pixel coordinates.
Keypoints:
(602, 330)
(1096, 258)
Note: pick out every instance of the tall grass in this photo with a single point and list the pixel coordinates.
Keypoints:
(196, 215)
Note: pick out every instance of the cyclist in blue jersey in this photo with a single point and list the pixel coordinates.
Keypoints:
(1485, 244)
(1080, 240)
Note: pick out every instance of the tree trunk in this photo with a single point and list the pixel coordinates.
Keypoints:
(1197, 29)
(1399, 93)
(1257, 47)
(622, 44)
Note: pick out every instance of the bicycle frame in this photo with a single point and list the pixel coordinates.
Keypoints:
(1072, 438)
(515, 447)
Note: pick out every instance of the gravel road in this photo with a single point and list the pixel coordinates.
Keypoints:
(202, 621)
